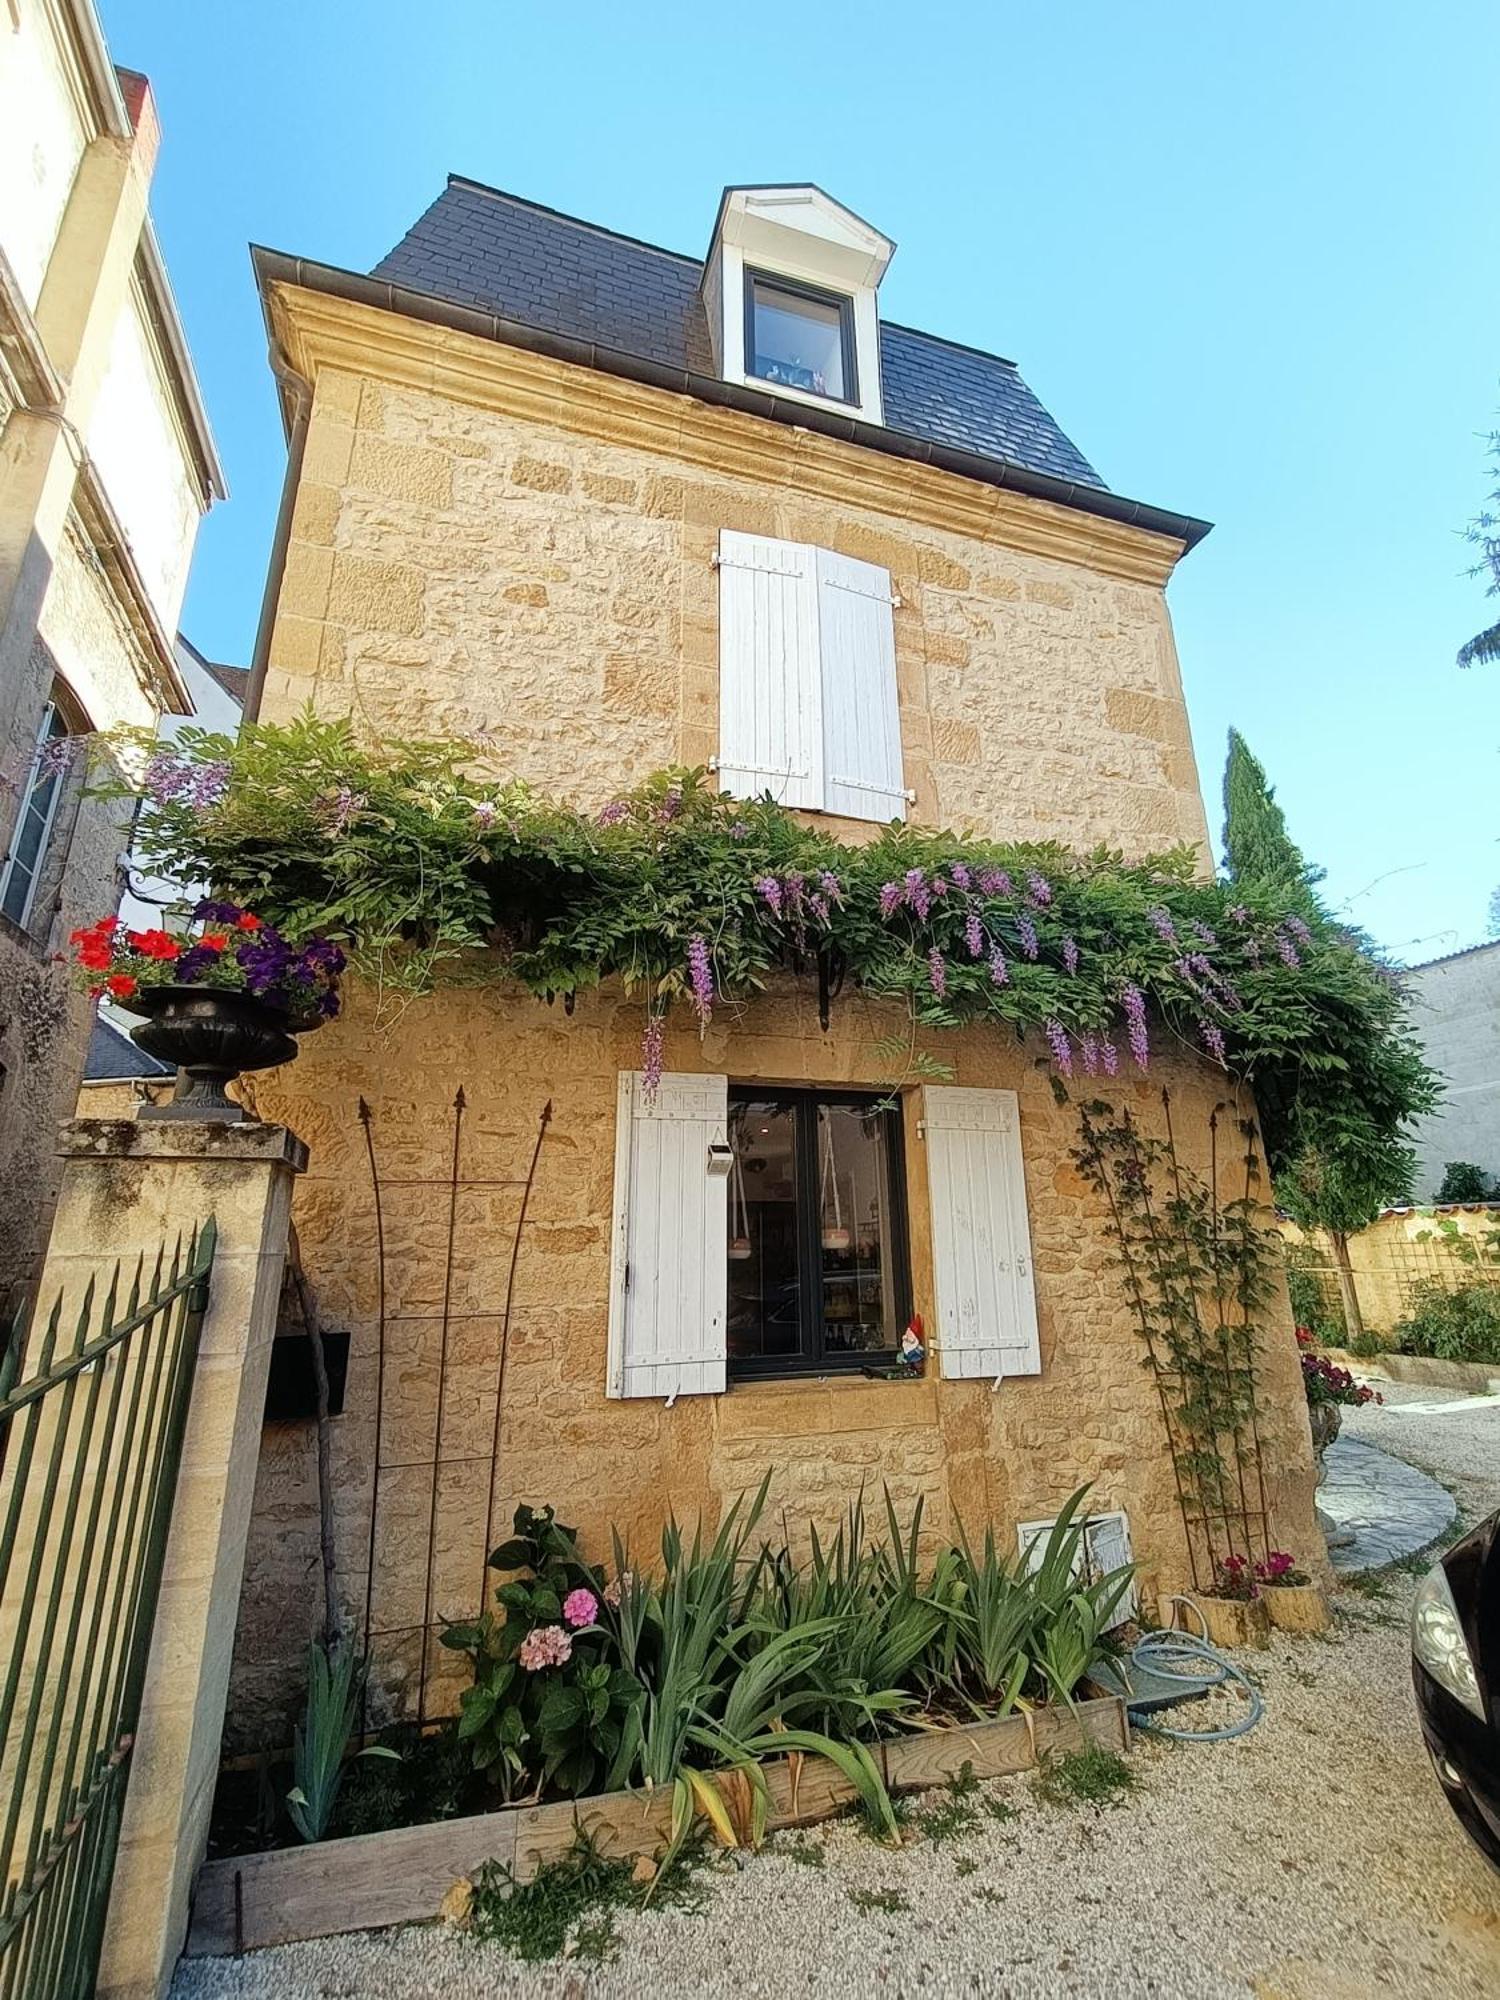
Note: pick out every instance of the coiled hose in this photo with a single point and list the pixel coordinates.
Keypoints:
(1165, 1662)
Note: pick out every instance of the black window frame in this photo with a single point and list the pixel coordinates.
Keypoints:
(811, 1358)
(814, 295)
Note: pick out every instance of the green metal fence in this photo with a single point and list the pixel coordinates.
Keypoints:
(92, 1416)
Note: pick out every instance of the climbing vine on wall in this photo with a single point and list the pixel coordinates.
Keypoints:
(431, 869)
(1198, 1273)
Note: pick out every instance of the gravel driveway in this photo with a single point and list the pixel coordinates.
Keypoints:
(1311, 1860)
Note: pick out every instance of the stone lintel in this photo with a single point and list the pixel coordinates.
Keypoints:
(207, 1140)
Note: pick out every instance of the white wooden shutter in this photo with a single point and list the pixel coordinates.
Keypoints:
(770, 693)
(861, 720)
(1103, 1548)
(669, 1257)
(981, 1240)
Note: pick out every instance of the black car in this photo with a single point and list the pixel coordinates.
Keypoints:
(1455, 1646)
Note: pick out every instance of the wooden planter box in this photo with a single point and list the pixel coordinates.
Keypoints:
(1297, 1607)
(248, 1901)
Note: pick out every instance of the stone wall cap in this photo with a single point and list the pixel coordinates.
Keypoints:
(127, 1139)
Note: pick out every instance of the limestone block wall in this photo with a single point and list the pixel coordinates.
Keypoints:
(969, 1452)
(460, 569)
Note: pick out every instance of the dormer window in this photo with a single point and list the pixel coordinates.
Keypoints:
(799, 338)
(789, 292)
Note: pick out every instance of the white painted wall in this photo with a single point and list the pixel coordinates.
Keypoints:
(42, 137)
(1456, 1013)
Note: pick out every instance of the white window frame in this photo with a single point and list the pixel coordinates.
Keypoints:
(44, 737)
(1086, 1561)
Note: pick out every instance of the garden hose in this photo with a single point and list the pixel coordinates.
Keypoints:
(1178, 1659)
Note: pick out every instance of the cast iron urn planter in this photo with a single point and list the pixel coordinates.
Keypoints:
(212, 1034)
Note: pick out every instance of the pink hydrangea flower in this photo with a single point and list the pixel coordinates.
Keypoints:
(580, 1608)
(545, 1646)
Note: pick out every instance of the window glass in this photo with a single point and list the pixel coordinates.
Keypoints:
(799, 340)
(765, 1291)
(817, 1256)
(34, 822)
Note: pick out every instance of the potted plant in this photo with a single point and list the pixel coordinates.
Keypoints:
(228, 999)
(1330, 1390)
(1231, 1609)
(1293, 1601)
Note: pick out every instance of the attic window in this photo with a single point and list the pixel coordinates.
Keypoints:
(797, 337)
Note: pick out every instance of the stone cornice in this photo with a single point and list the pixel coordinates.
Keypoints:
(316, 327)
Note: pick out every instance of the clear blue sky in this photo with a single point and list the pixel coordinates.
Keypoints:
(1247, 256)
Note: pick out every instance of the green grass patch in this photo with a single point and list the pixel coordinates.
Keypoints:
(1091, 1777)
(998, 1809)
(890, 1901)
(965, 1865)
(955, 1813)
(573, 1902)
(806, 1853)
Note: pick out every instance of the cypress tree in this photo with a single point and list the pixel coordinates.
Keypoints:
(1258, 850)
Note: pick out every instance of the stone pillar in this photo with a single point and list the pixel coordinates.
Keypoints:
(126, 1186)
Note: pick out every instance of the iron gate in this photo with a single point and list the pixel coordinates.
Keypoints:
(91, 1426)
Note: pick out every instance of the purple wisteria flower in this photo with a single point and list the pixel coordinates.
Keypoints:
(1039, 889)
(769, 890)
(1204, 934)
(1299, 930)
(1062, 1053)
(1088, 1049)
(831, 886)
(999, 970)
(891, 897)
(1026, 931)
(701, 978)
(653, 1048)
(819, 906)
(937, 972)
(974, 934)
(1134, 1003)
(1070, 954)
(1213, 1041)
(1286, 949)
(1109, 1056)
(167, 778)
(55, 758)
(1161, 922)
(962, 879)
(670, 807)
(210, 783)
(918, 895)
(939, 885)
(740, 830)
(340, 807)
(614, 812)
(995, 882)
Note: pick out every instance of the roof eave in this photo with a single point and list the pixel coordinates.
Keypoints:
(277, 267)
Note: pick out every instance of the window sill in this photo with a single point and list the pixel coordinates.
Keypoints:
(803, 1405)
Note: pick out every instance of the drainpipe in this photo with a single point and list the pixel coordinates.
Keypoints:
(298, 391)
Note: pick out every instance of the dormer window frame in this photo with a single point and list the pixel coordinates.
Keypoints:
(813, 294)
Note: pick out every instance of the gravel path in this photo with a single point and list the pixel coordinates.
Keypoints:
(1311, 1860)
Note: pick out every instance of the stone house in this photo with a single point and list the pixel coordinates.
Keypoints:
(609, 509)
(107, 466)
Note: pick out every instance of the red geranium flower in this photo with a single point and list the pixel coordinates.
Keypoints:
(246, 922)
(213, 940)
(155, 944)
(121, 985)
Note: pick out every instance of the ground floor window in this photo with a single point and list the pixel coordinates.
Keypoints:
(818, 1268)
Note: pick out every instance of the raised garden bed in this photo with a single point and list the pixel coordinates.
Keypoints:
(246, 1902)
(1477, 1378)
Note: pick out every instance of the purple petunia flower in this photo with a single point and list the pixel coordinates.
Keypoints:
(999, 970)
(1062, 1053)
(1070, 954)
(937, 972)
(701, 978)
(1026, 931)
(1134, 1003)
(974, 934)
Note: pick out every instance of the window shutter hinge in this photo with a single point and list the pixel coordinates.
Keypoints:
(713, 763)
(714, 560)
(910, 796)
(921, 1134)
(897, 599)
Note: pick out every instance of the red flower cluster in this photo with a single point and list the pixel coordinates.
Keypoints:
(1280, 1567)
(1326, 1382)
(96, 944)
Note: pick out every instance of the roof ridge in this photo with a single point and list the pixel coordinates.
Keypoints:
(577, 221)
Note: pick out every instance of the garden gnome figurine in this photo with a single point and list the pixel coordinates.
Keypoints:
(913, 1354)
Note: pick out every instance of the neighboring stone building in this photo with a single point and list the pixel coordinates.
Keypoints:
(106, 468)
(1456, 1013)
(614, 509)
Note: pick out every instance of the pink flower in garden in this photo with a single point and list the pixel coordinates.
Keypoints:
(486, 812)
(918, 895)
(1109, 1056)
(769, 890)
(1213, 1041)
(614, 812)
(1161, 922)
(961, 876)
(580, 1607)
(545, 1646)
(1088, 1049)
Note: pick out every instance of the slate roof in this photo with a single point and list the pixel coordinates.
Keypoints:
(113, 1057)
(476, 246)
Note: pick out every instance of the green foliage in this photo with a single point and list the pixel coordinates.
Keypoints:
(890, 1902)
(429, 869)
(430, 1776)
(570, 1905)
(1259, 853)
(1094, 1776)
(1464, 1182)
(1312, 1306)
(1461, 1325)
(335, 1681)
(806, 1853)
(1343, 1187)
(1483, 533)
(954, 1812)
(566, 1716)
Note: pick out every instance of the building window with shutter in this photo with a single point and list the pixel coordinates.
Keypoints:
(808, 708)
(817, 1241)
(47, 800)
